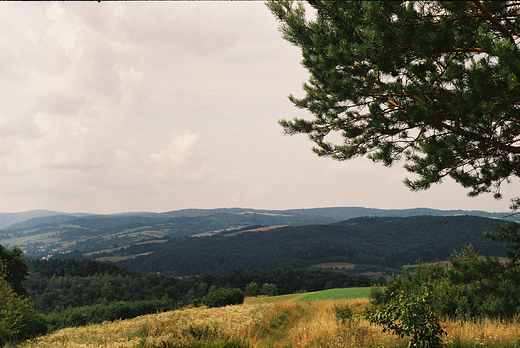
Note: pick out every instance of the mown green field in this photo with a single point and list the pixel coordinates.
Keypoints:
(336, 295)
(325, 295)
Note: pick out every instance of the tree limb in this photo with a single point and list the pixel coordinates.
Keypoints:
(493, 21)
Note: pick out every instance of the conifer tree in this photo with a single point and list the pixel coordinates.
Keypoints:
(15, 269)
(434, 84)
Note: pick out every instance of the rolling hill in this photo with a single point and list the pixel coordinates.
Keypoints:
(157, 242)
(369, 243)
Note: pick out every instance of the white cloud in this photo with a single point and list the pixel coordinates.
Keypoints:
(64, 27)
(178, 150)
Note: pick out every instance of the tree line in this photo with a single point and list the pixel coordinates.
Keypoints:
(76, 292)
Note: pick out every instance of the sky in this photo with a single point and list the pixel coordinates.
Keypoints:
(158, 106)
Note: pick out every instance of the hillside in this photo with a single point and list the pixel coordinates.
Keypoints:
(372, 244)
(62, 234)
(45, 233)
(73, 292)
(282, 322)
(7, 219)
(256, 320)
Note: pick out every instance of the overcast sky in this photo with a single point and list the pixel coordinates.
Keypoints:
(157, 106)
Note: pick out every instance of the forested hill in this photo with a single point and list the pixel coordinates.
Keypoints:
(47, 234)
(333, 214)
(387, 242)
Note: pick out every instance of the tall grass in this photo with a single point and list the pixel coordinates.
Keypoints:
(181, 328)
(279, 325)
(484, 333)
(314, 324)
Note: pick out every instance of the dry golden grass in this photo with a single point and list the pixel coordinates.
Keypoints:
(152, 330)
(313, 324)
(274, 325)
(485, 333)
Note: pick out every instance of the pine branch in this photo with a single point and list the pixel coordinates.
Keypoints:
(493, 21)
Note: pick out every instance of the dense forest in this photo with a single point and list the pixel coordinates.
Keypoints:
(385, 243)
(76, 292)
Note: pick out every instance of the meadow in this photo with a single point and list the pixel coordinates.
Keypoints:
(297, 321)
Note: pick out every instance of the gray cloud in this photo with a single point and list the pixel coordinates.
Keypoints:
(120, 106)
(59, 103)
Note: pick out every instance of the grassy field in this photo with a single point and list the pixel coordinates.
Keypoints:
(278, 322)
(336, 295)
(326, 295)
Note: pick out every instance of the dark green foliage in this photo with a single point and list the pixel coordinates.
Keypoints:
(71, 300)
(269, 290)
(74, 268)
(18, 318)
(510, 234)
(224, 297)
(196, 302)
(470, 287)
(387, 242)
(16, 269)
(252, 289)
(435, 84)
(98, 313)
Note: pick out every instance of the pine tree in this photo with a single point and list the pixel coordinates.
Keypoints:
(15, 269)
(436, 84)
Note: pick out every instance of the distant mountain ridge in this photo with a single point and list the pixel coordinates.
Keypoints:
(345, 213)
(335, 214)
(7, 219)
(194, 241)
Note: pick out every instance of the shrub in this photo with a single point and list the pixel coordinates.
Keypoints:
(224, 297)
(18, 318)
(196, 302)
(411, 315)
(252, 289)
(343, 312)
(269, 289)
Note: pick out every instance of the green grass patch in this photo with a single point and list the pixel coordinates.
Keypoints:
(335, 294)
(325, 295)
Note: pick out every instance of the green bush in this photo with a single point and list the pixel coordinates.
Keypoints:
(196, 302)
(412, 315)
(470, 287)
(18, 318)
(224, 297)
(78, 316)
(343, 312)
(252, 289)
(269, 289)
